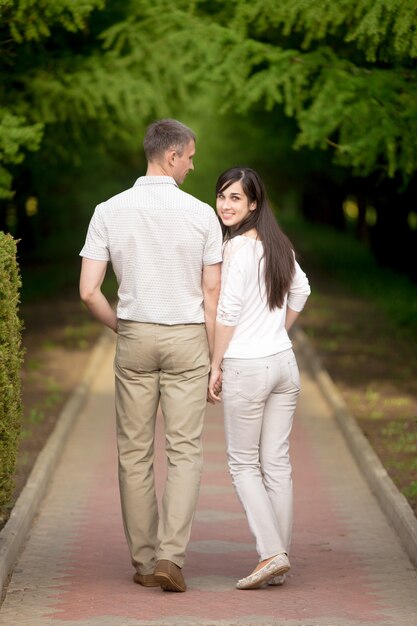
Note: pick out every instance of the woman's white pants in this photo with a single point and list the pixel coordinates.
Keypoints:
(259, 398)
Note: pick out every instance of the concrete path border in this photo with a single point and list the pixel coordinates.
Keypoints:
(392, 502)
(14, 533)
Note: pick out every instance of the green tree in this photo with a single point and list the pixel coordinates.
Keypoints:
(24, 26)
(81, 73)
(69, 77)
(345, 71)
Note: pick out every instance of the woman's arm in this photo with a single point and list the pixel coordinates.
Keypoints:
(297, 296)
(290, 318)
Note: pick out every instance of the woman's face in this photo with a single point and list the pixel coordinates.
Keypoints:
(233, 205)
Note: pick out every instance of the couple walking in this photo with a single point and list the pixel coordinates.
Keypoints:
(183, 315)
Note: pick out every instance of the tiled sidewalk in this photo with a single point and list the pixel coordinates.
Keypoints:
(348, 566)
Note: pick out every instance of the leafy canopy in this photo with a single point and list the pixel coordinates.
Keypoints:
(70, 76)
(83, 70)
(346, 71)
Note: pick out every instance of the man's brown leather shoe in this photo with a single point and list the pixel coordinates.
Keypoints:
(146, 580)
(169, 576)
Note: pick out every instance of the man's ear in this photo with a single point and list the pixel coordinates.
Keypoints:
(171, 156)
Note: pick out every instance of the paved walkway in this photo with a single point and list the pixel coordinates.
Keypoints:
(348, 566)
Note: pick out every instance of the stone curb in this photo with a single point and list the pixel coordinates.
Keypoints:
(15, 531)
(391, 501)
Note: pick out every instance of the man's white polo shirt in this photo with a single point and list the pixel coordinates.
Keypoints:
(158, 238)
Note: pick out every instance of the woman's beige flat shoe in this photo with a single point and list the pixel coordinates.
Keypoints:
(277, 566)
(277, 581)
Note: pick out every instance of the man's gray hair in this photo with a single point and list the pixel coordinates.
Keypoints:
(166, 134)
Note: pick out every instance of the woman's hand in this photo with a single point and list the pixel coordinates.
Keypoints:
(215, 386)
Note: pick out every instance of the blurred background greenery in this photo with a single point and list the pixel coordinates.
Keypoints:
(320, 97)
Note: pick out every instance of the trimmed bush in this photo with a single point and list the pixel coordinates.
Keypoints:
(11, 356)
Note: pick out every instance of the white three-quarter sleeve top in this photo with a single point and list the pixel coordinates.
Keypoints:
(243, 303)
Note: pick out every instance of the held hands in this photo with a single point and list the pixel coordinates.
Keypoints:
(215, 386)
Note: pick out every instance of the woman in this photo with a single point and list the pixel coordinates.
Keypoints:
(263, 292)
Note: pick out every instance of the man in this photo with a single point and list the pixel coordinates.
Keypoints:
(165, 249)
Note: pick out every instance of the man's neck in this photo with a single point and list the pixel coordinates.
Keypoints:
(157, 169)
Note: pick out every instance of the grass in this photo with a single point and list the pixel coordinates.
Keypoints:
(37, 413)
(400, 438)
(77, 335)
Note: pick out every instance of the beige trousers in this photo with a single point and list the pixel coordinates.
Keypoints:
(168, 365)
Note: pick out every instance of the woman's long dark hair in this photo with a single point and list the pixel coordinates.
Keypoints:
(278, 254)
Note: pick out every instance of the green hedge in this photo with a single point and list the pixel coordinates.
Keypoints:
(11, 355)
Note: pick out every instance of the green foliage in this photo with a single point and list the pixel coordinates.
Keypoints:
(33, 19)
(64, 82)
(80, 76)
(15, 136)
(10, 363)
(380, 29)
(25, 25)
(344, 70)
(81, 69)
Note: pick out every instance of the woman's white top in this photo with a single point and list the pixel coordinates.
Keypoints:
(259, 331)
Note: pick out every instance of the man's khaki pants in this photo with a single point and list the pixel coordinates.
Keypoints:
(167, 364)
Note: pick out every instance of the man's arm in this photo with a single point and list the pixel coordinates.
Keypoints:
(211, 290)
(91, 279)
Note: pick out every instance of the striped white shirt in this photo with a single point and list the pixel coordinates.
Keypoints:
(158, 238)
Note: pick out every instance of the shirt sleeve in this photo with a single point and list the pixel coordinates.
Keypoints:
(213, 247)
(299, 290)
(96, 245)
(233, 285)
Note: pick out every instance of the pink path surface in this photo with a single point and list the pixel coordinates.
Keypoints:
(328, 577)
